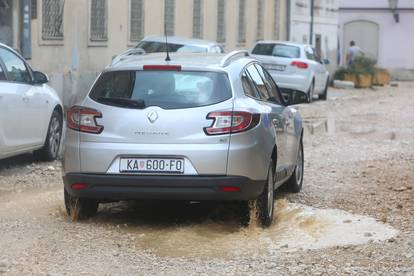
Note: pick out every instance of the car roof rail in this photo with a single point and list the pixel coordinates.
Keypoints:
(227, 59)
(130, 52)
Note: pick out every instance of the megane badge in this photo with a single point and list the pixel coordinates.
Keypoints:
(152, 116)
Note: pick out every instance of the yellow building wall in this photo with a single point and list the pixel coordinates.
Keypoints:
(77, 53)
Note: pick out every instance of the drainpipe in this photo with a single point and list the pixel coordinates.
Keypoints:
(311, 23)
(288, 19)
(25, 35)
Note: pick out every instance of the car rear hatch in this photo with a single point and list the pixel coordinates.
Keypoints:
(277, 57)
(156, 116)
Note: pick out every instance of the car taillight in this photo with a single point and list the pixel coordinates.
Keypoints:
(226, 122)
(83, 119)
(162, 68)
(299, 64)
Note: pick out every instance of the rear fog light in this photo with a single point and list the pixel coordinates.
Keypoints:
(229, 189)
(79, 186)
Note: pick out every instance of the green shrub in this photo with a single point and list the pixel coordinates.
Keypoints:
(362, 65)
(340, 73)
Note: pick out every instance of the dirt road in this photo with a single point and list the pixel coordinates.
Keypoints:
(354, 216)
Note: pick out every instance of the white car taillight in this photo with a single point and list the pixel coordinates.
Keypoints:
(83, 119)
(226, 122)
(299, 64)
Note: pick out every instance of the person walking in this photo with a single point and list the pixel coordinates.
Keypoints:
(353, 52)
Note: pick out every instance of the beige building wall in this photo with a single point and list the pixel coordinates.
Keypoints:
(77, 57)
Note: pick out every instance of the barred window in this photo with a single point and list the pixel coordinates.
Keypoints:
(198, 19)
(260, 16)
(99, 28)
(169, 16)
(52, 19)
(137, 20)
(242, 22)
(34, 9)
(277, 19)
(221, 21)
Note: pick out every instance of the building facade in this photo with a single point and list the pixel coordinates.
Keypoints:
(73, 40)
(383, 29)
(318, 27)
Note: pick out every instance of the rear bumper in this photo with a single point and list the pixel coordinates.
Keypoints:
(294, 81)
(124, 187)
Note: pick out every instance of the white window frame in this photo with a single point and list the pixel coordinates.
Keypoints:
(47, 42)
(260, 19)
(241, 25)
(93, 42)
(221, 40)
(132, 42)
(198, 33)
(173, 20)
(276, 22)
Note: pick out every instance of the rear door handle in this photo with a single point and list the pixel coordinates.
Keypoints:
(25, 98)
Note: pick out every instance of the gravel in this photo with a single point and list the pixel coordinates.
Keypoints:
(359, 161)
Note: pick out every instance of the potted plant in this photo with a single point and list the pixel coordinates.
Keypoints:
(381, 77)
(360, 72)
(363, 68)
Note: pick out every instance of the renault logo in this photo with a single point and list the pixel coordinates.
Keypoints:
(152, 116)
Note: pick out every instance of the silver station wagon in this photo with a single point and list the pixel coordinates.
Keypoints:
(198, 127)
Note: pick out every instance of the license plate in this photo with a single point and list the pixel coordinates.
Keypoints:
(279, 67)
(275, 67)
(152, 165)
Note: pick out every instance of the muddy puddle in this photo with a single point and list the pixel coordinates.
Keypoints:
(207, 230)
(366, 127)
(197, 231)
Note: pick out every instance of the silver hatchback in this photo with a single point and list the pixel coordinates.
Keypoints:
(198, 127)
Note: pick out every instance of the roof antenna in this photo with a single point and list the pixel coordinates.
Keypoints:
(166, 43)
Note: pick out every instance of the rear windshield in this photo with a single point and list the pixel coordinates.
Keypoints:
(165, 89)
(157, 47)
(277, 50)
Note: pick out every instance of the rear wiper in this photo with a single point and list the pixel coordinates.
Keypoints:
(123, 102)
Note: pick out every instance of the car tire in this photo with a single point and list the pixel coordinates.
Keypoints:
(50, 150)
(80, 208)
(324, 95)
(262, 208)
(311, 91)
(294, 183)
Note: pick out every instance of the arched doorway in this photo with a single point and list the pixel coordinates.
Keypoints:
(365, 34)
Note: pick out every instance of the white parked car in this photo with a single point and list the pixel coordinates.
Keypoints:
(294, 67)
(156, 44)
(31, 113)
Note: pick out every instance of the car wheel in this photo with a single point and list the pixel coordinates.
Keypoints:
(265, 202)
(294, 184)
(324, 95)
(50, 150)
(262, 208)
(311, 91)
(80, 208)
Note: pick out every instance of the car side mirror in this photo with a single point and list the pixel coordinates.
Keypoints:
(40, 78)
(293, 97)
